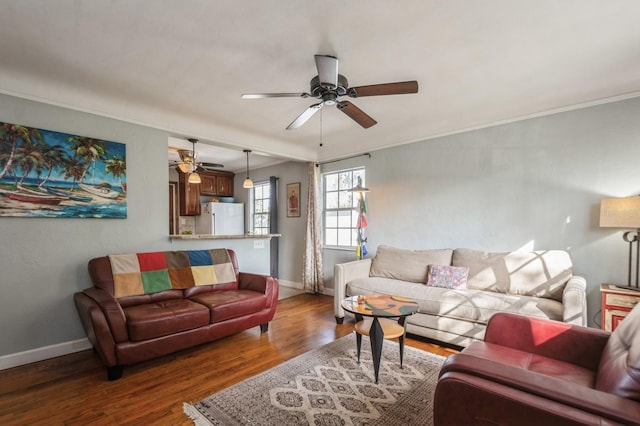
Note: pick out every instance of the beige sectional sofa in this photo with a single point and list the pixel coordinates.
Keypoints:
(539, 284)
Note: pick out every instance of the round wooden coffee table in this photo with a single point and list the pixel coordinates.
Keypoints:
(373, 313)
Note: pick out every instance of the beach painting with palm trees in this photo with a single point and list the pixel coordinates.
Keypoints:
(51, 174)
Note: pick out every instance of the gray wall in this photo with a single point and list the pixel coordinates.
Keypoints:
(44, 261)
(534, 183)
(292, 228)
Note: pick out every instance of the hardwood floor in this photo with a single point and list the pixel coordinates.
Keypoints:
(73, 389)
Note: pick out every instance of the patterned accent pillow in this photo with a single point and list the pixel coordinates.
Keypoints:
(447, 276)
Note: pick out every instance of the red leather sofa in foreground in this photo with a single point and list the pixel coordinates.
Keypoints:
(540, 372)
(147, 305)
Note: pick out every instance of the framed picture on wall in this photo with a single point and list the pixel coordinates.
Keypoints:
(44, 173)
(293, 199)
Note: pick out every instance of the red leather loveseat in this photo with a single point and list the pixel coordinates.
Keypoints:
(540, 372)
(146, 305)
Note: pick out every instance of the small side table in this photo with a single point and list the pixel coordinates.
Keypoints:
(378, 308)
(617, 302)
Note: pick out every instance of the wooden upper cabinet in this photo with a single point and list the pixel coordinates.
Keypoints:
(208, 184)
(189, 196)
(217, 183)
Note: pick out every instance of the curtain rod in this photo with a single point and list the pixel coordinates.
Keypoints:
(341, 159)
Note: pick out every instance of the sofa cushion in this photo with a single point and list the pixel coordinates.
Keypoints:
(469, 305)
(537, 273)
(407, 265)
(619, 370)
(158, 319)
(225, 305)
(447, 276)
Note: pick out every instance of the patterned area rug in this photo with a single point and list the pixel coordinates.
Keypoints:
(326, 386)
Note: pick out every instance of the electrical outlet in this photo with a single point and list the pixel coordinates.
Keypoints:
(258, 244)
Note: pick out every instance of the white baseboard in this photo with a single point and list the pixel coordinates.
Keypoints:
(292, 284)
(66, 348)
(300, 286)
(46, 352)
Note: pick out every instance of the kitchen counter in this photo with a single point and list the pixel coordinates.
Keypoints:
(221, 237)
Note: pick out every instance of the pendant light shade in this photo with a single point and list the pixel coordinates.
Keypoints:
(248, 183)
(184, 167)
(194, 177)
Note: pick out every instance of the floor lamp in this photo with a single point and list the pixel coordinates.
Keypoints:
(624, 213)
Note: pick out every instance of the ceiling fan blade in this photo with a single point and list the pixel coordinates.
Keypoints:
(274, 95)
(207, 166)
(327, 70)
(356, 114)
(399, 88)
(306, 114)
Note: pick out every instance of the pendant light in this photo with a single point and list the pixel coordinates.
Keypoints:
(248, 183)
(194, 177)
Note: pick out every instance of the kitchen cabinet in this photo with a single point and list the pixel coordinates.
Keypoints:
(189, 196)
(216, 183)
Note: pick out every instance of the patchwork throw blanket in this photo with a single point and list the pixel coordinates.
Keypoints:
(144, 273)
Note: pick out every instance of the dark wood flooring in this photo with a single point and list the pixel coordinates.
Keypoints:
(73, 389)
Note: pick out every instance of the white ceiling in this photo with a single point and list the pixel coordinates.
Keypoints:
(183, 65)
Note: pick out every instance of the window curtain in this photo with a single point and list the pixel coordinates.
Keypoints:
(273, 225)
(312, 277)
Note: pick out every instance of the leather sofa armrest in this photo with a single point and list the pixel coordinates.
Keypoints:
(578, 345)
(112, 311)
(264, 284)
(342, 274)
(550, 388)
(574, 301)
(466, 399)
(97, 329)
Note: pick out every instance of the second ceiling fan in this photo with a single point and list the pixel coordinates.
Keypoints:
(329, 87)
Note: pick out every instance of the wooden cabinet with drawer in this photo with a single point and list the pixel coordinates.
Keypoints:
(617, 302)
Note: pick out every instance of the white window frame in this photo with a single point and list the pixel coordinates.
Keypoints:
(341, 226)
(265, 188)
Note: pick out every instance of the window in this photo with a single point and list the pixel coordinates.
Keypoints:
(260, 207)
(340, 207)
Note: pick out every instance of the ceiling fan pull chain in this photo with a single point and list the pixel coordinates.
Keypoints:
(321, 143)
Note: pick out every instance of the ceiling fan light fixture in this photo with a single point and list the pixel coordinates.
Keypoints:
(194, 178)
(184, 167)
(248, 183)
(187, 156)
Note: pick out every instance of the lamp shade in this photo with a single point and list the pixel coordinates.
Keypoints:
(194, 178)
(248, 183)
(184, 167)
(620, 212)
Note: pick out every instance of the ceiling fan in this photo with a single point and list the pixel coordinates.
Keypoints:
(188, 164)
(329, 87)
